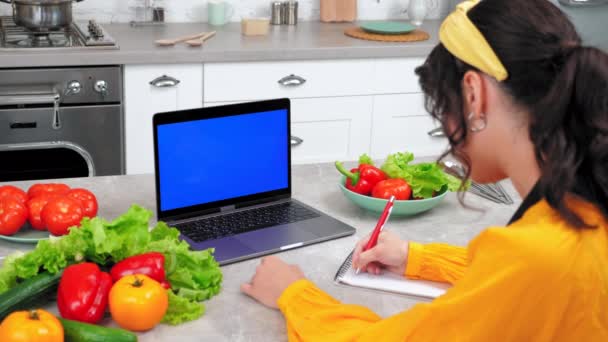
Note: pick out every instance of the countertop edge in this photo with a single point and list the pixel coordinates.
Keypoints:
(310, 41)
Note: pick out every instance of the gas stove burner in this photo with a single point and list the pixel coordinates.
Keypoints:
(78, 36)
(42, 40)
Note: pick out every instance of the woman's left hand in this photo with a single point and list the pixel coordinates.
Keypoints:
(271, 278)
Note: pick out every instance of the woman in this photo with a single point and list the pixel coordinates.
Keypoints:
(519, 98)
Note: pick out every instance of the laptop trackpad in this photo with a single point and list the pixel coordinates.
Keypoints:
(275, 237)
(226, 248)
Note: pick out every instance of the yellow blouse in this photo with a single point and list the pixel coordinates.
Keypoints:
(537, 280)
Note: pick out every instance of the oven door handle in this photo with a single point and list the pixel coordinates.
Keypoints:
(25, 99)
(36, 98)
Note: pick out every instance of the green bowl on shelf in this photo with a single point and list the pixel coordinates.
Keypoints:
(400, 208)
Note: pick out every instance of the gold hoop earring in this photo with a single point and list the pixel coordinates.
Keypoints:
(472, 122)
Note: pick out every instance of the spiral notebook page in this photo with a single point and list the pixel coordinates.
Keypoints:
(389, 282)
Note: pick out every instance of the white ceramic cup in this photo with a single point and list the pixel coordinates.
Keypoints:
(219, 12)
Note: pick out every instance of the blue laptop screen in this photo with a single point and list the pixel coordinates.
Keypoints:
(217, 159)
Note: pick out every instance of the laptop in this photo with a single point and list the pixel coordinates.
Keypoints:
(223, 179)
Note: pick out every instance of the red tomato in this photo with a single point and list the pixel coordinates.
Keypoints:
(60, 214)
(392, 187)
(56, 188)
(88, 200)
(13, 191)
(13, 215)
(35, 206)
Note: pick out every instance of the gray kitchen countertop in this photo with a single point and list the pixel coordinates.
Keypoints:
(231, 316)
(307, 40)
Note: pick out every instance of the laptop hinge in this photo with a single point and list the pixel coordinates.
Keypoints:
(227, 208)
(183, 217)
(224, 209)
(262, 201)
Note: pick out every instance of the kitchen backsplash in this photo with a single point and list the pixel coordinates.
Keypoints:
(196, 10)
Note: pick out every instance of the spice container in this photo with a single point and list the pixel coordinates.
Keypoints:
(338, 10)
(276, 9)
(290, 12)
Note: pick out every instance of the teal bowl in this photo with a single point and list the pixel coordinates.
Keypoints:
(400, 208)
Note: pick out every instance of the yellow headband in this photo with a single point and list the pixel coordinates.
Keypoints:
(462, 39)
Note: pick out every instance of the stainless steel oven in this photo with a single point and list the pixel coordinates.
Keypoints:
(61, 122)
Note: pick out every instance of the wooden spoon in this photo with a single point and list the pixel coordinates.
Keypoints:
(171, 42)
(199, 41)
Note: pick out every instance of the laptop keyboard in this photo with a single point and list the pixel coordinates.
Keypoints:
(244, 221)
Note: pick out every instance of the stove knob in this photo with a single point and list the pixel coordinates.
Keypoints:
(93, 29)
(73, 88)
(101, 87)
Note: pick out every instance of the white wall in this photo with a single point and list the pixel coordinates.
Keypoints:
(196, 10)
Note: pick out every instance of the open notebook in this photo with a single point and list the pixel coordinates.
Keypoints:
(388, 282)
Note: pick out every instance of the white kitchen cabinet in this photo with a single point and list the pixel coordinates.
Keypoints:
(328, 129)
(151, 89)
(396, 76)
(400, 123)
(340, 108)
(302, 79)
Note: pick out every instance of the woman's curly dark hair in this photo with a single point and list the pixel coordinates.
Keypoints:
(562, 84)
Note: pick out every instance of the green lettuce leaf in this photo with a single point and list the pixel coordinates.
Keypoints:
(425, 179)
(182, 310)
(365, 159)
(454, 183)
(194, 275)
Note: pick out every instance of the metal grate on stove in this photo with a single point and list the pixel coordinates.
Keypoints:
(75, 36)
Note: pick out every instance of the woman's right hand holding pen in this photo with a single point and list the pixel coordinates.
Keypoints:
(390, 253)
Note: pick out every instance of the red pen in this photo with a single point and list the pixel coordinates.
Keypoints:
(373, 240)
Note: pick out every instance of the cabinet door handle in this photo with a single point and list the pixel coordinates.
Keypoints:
(292, 81)
(436, 133)
(295, 141)
(164, 81)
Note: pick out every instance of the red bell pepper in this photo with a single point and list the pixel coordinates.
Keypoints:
(151, 264)
(362, 179)
(83, 293)
(392, 187)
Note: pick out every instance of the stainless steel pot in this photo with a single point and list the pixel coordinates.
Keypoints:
(42, 15)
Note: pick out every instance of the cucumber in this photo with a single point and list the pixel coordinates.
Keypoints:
(30, 294)
(83, 332)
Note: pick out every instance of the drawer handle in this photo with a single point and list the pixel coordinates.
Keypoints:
(164, 81)
(292, 81)
(436, 133)
(295, 141)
